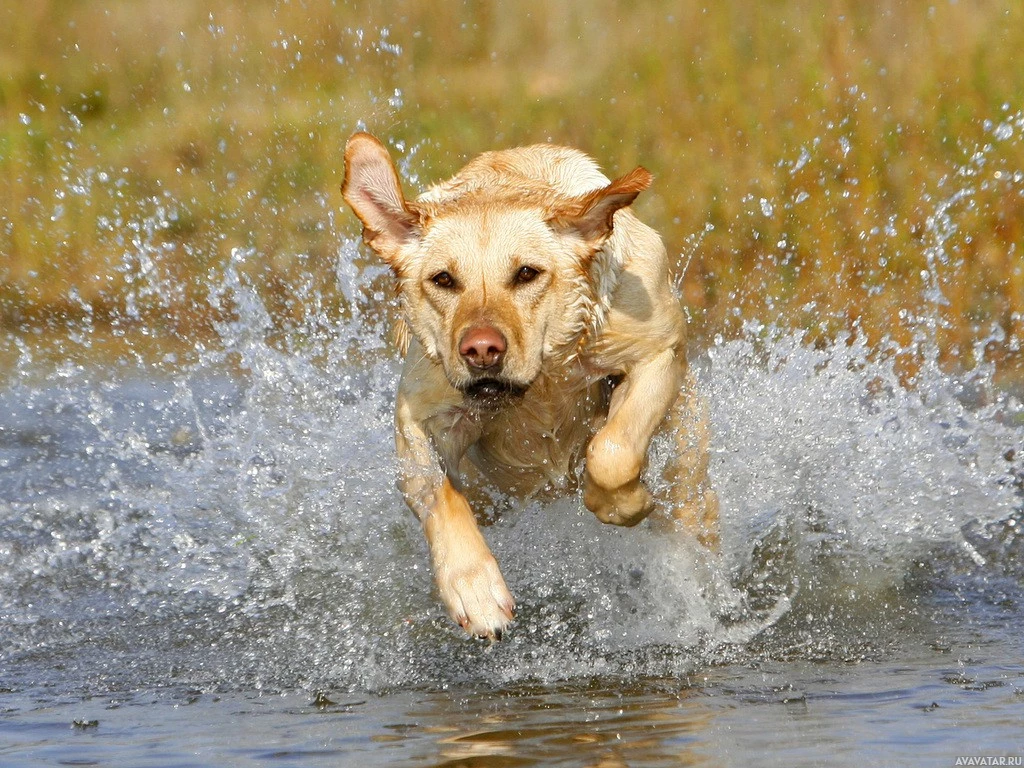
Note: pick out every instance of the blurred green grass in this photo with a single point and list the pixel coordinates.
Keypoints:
(824, 166)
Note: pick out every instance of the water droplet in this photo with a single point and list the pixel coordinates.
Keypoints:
(801, 161)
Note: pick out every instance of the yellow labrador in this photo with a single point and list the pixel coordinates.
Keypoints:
(545, 335)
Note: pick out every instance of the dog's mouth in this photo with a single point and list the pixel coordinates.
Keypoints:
(492, 392)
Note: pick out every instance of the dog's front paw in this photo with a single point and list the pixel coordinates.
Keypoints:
(475, 594)
(626, 505)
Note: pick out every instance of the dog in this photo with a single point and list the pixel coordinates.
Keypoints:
(544, 347)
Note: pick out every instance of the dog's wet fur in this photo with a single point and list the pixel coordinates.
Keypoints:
(541, 333)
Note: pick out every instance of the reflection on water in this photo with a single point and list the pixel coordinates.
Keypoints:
(611, 728)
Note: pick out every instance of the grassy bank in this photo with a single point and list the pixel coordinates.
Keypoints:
(821, 165)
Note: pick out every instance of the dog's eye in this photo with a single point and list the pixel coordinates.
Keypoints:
(443, 280)
(526, 275)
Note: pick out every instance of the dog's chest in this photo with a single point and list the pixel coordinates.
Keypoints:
(542, 440)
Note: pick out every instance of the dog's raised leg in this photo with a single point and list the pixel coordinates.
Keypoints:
(612, 488)
(466, 573)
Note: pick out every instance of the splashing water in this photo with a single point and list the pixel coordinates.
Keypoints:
(242, 529)
(247, 532)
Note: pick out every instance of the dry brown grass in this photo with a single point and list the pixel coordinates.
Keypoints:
(804, 152)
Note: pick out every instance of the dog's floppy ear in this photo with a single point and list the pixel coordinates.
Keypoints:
(373, 191)
(591, 215)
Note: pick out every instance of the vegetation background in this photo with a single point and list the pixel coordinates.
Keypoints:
(831, 166)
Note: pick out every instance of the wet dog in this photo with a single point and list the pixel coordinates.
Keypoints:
(544, 346)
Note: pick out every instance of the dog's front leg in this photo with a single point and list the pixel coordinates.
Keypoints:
(615, 456)
(465, 571)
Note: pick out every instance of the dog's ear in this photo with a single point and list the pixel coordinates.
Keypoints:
(374, 192)
(591, 215)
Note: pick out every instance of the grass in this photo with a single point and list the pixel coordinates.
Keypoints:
(826, 166)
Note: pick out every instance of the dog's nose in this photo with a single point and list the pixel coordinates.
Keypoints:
(482, 347)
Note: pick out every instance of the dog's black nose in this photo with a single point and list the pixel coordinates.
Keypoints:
(482, 347)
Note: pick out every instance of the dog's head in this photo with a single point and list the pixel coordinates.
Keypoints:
(494, 283)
